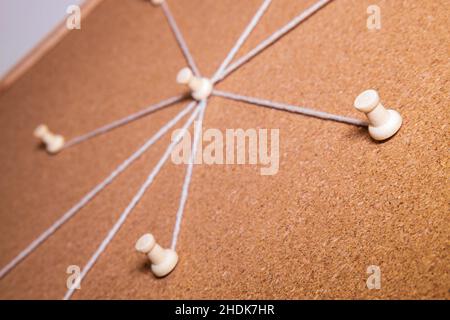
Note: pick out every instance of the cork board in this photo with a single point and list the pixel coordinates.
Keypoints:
(339, 203)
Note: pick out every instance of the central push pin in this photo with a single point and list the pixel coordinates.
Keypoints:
(157, 2)
(163, 260)
(53, 142)
(201, 87)
(383, 123)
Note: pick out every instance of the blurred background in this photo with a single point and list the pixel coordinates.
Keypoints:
(24, 24)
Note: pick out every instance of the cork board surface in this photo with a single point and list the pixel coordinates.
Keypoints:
(339, 203)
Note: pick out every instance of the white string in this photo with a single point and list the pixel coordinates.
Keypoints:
(131, 205)
(262, 9)
(273, 38)
(180, 38)
(220, 74)
(188, 177)
(72, 211)
(123, 121)
(290, 108)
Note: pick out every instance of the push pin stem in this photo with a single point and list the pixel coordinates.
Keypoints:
(163, 260)
(383, 123)
(201, 88)
(53, 142)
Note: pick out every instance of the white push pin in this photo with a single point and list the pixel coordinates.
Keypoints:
(163, 260)
(157, 2)
(53, 142)
(383, 123)
(201, 87)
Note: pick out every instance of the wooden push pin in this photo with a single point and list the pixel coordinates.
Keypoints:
(201, 87)
(163, 260)
(383, 123)
(157, 2)
(53, 142)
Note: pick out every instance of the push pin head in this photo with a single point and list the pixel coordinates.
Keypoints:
(163, 261)
(383, 123)
(184, 76)
(157, 2)
(201, 88)
(53, 142)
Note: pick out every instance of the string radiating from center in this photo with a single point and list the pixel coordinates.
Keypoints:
(225, 69)
(290, 108)
(123, 121)
(91, 194)
(273, 38)
(137, 197)
(253, 23)
(180, 39)
(188, 177)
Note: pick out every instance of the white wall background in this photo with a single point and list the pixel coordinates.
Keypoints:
(24, 23)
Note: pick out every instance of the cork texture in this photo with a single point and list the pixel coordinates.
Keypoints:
(339, 203)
